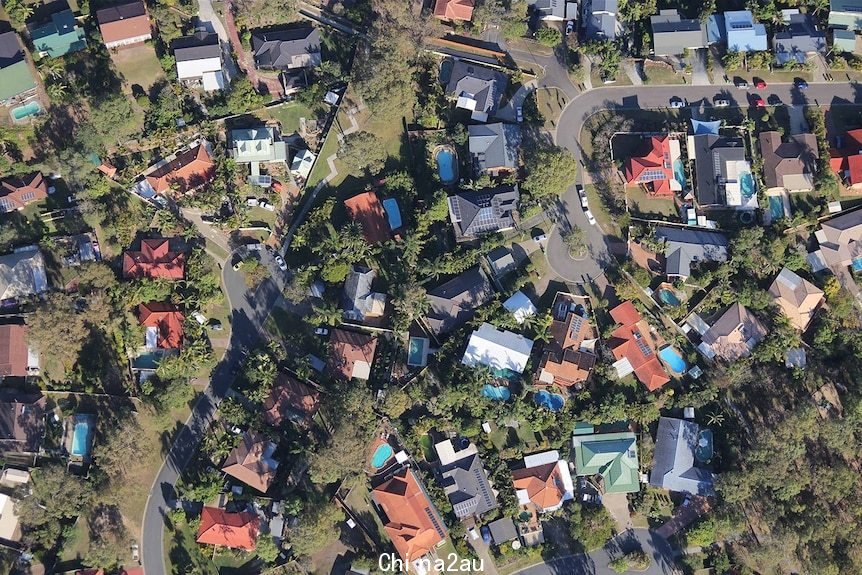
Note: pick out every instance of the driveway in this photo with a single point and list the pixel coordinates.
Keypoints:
(699, 76)
(208, 17)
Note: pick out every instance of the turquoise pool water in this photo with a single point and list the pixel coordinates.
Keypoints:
(667, 296)
(416, 351)
(671, 357)
(446, 166)
(679, 171)
(28, 109)
(381, 455)
(703, 452)
(776, 207)
(81, 438)
(746, 184)
(856, 263)
(496, 392)
(148, 360)
(552, 401)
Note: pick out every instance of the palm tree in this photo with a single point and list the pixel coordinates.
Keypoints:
(52, 68)
(327, 314)
(715, 419)
(57, 91)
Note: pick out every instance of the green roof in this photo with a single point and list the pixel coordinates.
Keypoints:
(15, 79)
(844, 14)
(614, 456)
(58, 37)
(844, 40)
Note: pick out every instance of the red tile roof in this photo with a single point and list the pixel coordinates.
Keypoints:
(367, 211)
(289, 397)
(628, 342)
(131, 571)
(454, 9)
(123, 22)
(848, 158)
(543, 484)
(13, 350)
(155, 260)
(189, 170)
(653, 168)
(234, 530)
(167, 318)
(346, 349)
(18, 191)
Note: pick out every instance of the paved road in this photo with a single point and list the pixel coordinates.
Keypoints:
(596, 562)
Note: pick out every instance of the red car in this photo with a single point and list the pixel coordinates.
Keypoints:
(760, 84)
(758, 102)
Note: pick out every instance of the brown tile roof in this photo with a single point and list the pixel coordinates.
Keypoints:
(22, 422)
(565, 367)
(351, 354)
(167, 318)
(234, 530)
(290, 398)
(18, 191)
(367, 211)
(627, 341)
(454, 10)
(155, 260)
(123, 22)
(790, 164)
(543, 484)
(13, 350)
(730, 334)
(189, 170)
(798, 298)
(251, 461)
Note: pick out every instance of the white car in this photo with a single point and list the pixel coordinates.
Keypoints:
(254, 247)
(199, 317)
(590, 217)
(676, 102)
(570, 25)
(582, 194)
(321, 331)
(473, 535)
(281, 265)
(721, 103)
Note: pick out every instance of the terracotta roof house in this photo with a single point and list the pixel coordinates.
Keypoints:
(675, 464)
(288, 49)
(290, 399)
(544, 482)
(164, 323)
(799, 299)
(58, 37)
(789, 165)
(14, 353)
(840, 240)
(351, 354)
(366, 210)
(16, 79)
(409, 518)
(155, 260)
(252, 461)
(187, 171)
(632, 345)
(22, 422)
(125, 24)
(454, 10)
(613, 456)
(655, 168)
(477, 212)
(846, 158)
(18, 191)
(233, 530)
(733, 335)
(570, 355)
(454, 303)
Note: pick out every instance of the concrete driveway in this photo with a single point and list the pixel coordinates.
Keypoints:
(699, 76)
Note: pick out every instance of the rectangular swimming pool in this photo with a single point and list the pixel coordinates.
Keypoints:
(81, 437)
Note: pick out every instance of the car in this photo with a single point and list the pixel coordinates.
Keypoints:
(721, 103)
(486, 534)
(570, 25)
(540, 237)
(237, 265)
(677, 102)
(281, 265)
(775, 100)
(590, 217)
(254, 247)
(472, 533)
(741, 84)
(758, 102)
(136, 552)
(760, 84)
(321, 331)
(800, 83)
(215, 325)
(583, 196)
(519, 114)
(199, 317)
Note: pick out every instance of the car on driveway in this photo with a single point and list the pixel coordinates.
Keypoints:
(281, 264)
(677, 102)
(472, 533)
(590, 217)
(237, 265)
(570, 25)
(321, 331)
(758, 102)
(800, 83)
(582, 195)
(486, 535)
(721, 103)
(759, 84)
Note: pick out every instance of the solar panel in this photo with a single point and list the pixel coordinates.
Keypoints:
(434, 521)
(455, 208)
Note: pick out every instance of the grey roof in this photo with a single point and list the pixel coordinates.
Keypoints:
(799, 38)
(503, 530)
(550, 8)
(601, 25)
(11, 51)
(674, 463)
(672, 34)
(199, 46)
(467, 486)
(121, 12)
(454, 303)
(683, 246)
(711, 154)
(288, 49)
(494, 146)
(484, 85)
(478, 212)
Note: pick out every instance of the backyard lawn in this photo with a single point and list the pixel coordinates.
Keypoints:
(183, 554)
(138, 65)
(641, 205)
(287, 115)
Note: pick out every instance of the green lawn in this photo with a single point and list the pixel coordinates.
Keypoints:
(288, 115)
(642, 205)
(184, 555)
(138, 65)
(621, 78)
(550, 102)
(662, 75)
(598, 209)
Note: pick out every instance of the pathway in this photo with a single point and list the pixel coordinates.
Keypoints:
(246, 61)
(630, 68)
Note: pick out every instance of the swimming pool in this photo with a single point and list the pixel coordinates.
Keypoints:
(667, 296)
(679, 171)
(28, 109)
(81, 438)
(856, 264)
(776, 207)
(416, 354)
(746, 185)
(381, 455)
(703, 452)
(446, 165)
(553, 401)
(147, 360)
(674, 360)
(496, 392)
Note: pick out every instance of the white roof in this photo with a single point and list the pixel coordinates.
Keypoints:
(8, 519)
(213, 81)
(520, 306)
(623, 367)
(302, 163)
(361, 369)
(497, 349)
(15, 476)
(446, 452)
(543, 458)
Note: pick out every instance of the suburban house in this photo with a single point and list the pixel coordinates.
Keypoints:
(798, 39)
(675, 460)
(22, 274)
(454, 10)
(501, 261)
(743, 33)
(163, 323)
(199, 60)
(18, 191)
(154, 260)
(685, 248)
(520, 306)
(613, 457)
(570, 355)
(184, 171)
(789, 166)
(840, 242)
(252, 461)
(723, 174)
(846, 159)
(554, 10)
(59, 37)
(733, 335)
(409, 518)
(673, 35)
(16, 357)
(454, 303)
(477, 212)
(503, 530)
(22, 422)
(233, 530)
(845, 15)
(289, 49)
(366, 210)
(16, 79)
(10, 525)
(494, 147)
(658, 168)
(351, 354)
(798, 298)
(633, 345)
(464, 478)
(601, 20)
(125, 24)
(301, 164)
(843, 40)
(290, 399)
(500, 350)
(544, 483)
(360, 302)
(257, 145)
(476, 88)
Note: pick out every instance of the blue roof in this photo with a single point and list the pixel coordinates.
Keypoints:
(701, 127)
(390, 205)
(715, 32)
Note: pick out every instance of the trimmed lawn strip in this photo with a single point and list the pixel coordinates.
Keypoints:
(662, 75)
(643, 206)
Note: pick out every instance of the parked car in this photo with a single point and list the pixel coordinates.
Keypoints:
(759, 84)
(519, 114)
(215, 325)
(741, 84)
(254, 247)
(540, 237)
(721, 103)
(800, 83)
(321, 331)
(486, 534)
(281, 264)
(472, 533)
(677, 102)
(570, 25)
(775, 100)
(199, 317)
(237, 265)
(758, 102)
(582, 195)
(590, 217)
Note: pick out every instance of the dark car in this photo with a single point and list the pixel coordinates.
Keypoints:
(800, 83)
(740, 83)
(486, 534)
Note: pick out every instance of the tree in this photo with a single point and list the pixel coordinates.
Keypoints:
(550, 172)
(732, 61)
(575, 243)
(549, 36)
(317, 528)
(591, 526)
(410, 303)
(255, 272)
(120, 448)
(57, 330)
(56, 497)
(266, 549)
(363, 152)
(327, 314)
(343, 455)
